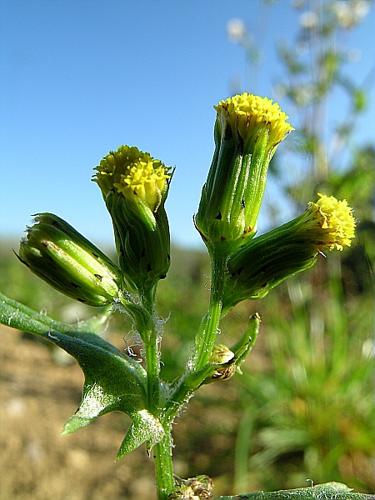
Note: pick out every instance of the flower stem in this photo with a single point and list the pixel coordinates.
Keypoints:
(207, 334)
(152, 368)
(151, 346)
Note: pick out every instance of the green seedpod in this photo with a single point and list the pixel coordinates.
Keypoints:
(247, 132)
(65, 259)
(134, 187)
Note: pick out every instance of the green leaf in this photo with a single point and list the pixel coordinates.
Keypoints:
(327, 491)
(144, 428)
(113, 381)
(21, 317)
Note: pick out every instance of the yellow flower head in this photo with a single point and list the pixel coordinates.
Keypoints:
(335, 220)
(247, 113)
(134, 174)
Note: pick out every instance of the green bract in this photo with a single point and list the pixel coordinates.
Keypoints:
(143, 250)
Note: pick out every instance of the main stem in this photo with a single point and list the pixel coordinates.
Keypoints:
(163, 450)
(164, 465)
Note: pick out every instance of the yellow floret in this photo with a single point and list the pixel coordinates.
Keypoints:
(336, 221)
(134, 173)
(248, 112)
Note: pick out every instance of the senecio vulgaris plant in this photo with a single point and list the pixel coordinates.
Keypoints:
(134, 186)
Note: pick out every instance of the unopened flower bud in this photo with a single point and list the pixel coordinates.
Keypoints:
(247, 132)
(266, 261)
(135, 186)
(61, 256)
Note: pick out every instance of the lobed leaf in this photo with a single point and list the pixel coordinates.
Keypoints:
(113, 381)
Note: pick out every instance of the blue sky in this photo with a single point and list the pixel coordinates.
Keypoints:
(81, 77)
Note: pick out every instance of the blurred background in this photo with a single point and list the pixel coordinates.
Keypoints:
(82, 77)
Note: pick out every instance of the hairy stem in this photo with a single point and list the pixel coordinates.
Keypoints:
(152, 369)
(185, 388)
(162, 451)
(164, 465)
(204, 344)
(151, 346)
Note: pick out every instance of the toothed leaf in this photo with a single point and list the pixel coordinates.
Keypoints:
(144, 428)
(113, 381)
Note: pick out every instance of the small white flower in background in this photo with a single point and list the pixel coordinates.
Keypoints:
(236, 29)
(309, 20)
(361, 9)
(348, 14)
(344, 14)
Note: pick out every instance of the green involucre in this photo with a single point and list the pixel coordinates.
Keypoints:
(233, 193)
(143, 248)
(266, 261)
